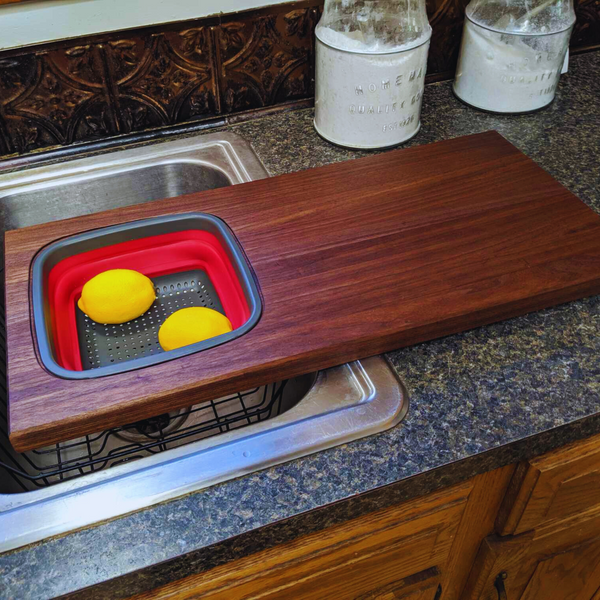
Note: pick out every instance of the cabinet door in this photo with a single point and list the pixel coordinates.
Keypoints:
(552, 487)
(432, 592)
(420, 586)
(397, 553)
(563, 564)
(573, 574)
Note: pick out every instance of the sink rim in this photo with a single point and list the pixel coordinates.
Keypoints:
(29, 517)
(239, 162)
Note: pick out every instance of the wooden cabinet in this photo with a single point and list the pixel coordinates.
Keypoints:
(395, 553)
(530, 568)
(522, 532)
(553, 506)
(552, 487)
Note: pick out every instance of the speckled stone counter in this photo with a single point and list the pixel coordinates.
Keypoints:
(479, 400)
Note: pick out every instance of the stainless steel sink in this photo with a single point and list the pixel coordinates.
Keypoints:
(80, 482)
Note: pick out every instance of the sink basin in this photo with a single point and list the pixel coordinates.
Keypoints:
(84, 481)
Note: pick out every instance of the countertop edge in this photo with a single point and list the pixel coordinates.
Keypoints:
(290, 528)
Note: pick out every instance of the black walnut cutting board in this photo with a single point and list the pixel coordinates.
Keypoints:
(352, 259)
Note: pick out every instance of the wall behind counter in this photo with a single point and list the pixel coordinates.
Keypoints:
(202, 70)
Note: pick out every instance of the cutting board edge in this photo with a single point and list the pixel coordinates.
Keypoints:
(36, 437)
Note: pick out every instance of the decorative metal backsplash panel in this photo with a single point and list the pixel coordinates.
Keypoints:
(126, 82)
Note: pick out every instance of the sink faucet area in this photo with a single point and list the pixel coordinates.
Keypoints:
(292, 310)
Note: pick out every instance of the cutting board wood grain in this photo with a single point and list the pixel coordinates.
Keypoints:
(352, 259)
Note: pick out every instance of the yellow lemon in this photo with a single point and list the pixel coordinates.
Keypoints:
(190, 325)
(117, 296)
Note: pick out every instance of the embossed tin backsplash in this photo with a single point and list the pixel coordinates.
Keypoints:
(204, 70)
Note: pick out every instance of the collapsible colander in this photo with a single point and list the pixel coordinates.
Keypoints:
(192, 259)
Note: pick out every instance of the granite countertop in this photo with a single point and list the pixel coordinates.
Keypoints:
(479, 400)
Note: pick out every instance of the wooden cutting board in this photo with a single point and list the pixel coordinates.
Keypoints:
(352, 259)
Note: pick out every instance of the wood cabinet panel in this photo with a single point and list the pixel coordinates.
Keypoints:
(429, 594)
(560, 561)
(395, 553)
(567, 574)
(477, 523)
(552, 487)
(579, 566)
(423, 594)
(420, 586)
(496, 555)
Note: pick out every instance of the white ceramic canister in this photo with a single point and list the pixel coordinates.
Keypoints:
(370, 77)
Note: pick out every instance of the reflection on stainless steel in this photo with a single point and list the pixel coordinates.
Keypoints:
(314, 412)
(344, 404)
(123, 178)
(78, 457)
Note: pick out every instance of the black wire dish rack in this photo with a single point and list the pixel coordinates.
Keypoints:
(71, 459)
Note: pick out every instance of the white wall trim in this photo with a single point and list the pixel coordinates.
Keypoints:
(28, 23)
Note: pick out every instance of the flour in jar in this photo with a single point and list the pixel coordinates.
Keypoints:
(357, 41)
(508, 73)
(368, 94)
